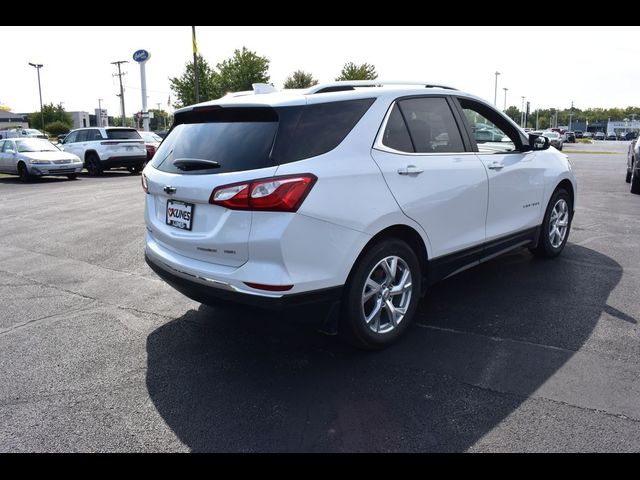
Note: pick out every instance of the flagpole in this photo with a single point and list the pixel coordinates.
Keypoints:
(195, 63)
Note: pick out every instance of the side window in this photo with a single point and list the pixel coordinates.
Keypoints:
(395, 134)
(431, 125)
(491, 132)
(8, 147)
(71, 137)
(1, 145)
(93, 135)
(82, 136)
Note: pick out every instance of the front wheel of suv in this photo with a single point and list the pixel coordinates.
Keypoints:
(381, 295)
(554, 231)
(93, 165)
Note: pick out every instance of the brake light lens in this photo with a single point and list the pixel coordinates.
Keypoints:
(145, 185)
(275, 194)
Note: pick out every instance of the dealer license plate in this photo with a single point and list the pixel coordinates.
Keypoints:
(180, 214)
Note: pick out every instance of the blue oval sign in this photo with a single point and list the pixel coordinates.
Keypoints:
(141, 56)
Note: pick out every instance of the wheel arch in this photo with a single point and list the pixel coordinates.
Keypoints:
(90, 152)
(570, 188)
(405, 233)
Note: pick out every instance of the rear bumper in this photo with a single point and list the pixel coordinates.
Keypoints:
(127, 161)
(210, 292)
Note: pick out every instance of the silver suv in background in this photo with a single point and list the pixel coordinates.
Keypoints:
(104, 148)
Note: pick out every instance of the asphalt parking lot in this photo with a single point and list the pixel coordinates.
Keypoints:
(518, 354)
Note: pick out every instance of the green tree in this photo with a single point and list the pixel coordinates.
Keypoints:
(300, 79)
(52, 113)
(57, 127)
(351, 71)
(183, 87)
(514, 114)
(239, 72)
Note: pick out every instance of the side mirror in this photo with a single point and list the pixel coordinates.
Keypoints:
(538, 142)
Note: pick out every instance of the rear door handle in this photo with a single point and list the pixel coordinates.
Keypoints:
(410, 170)
(495, 166)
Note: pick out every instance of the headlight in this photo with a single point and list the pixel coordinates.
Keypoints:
(39, 162)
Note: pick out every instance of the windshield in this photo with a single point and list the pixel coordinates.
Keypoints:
(31, 131)
(35, 145)
(123, 134)
(151, 137)
(551, 135)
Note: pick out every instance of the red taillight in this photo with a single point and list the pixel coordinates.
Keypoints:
(270, 288)
(145, 185)
(275, 194)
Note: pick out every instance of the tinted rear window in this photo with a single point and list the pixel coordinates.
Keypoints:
(311, 130)
(123, 134)
(257, 137)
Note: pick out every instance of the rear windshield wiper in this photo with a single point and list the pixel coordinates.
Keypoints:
(186, 164)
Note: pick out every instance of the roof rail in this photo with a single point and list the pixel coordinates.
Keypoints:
(351, 84)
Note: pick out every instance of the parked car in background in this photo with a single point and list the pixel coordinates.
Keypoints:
(254, 202)
(151, 142)
(612, 136)
(105, 148)
(625, 136)
(35, 157)
(555, 139)
(162, 133)
(599, 136)
(587, 135)
(33, 133)
(578, 133)
(61, 137)
(570, 137)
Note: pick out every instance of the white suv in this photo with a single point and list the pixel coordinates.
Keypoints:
(104, 148)
(353, 195)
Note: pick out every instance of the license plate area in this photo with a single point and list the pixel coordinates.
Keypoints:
(179, 214)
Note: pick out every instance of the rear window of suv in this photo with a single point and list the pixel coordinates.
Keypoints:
(123, 134)
(248, 138)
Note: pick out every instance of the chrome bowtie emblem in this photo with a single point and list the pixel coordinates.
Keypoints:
(169, 190)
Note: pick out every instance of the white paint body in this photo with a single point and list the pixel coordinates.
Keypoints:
(456, 203)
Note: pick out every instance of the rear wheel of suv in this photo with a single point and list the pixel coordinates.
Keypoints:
(93, 165)
(381, 295)
(628, 177)
(135, 169)
(555, 226)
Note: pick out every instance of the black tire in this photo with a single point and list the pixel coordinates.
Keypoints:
(93, 165)
(72, 176)
(24, 173)
(545, 248)
(635, 181)
(353, 325)
(136, 169)
(628, 177)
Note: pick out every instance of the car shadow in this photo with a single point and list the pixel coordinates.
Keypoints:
(239, 379)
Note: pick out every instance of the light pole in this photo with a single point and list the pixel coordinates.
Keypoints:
(99, 122)
(495, 91)
(522, 112)
(505, 98)
(38, 66)
(195, 63)
(570, 116)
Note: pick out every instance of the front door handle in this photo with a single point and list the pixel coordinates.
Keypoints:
(495, 166)
(410, 170)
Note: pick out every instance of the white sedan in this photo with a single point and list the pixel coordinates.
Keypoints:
(34, 157)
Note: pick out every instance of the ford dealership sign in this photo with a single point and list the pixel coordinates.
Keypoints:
(141, 56)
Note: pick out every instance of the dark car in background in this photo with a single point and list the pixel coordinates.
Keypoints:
(578, 133)
(570, 137)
